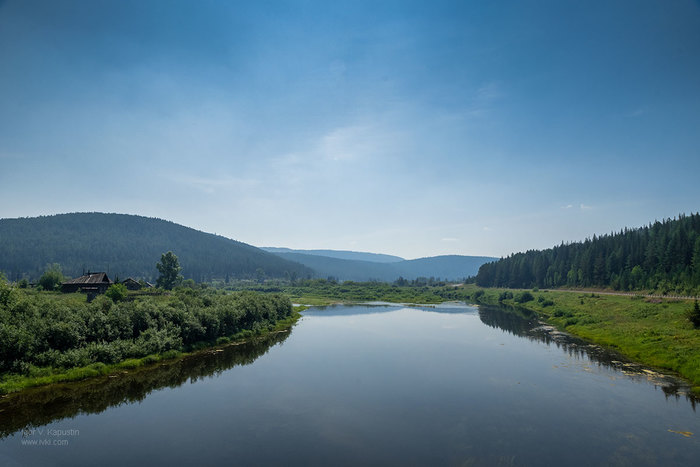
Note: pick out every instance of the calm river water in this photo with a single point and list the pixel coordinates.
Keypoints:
(368, 385)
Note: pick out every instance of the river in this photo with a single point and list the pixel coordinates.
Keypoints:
(368, 385)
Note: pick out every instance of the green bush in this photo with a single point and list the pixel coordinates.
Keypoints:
(507, 295)
(52, 278)
(117, 292)
(524, 297)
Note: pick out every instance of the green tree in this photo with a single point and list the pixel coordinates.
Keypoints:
(52, 277)
(169, 268)
(694, 315)
(117, 292)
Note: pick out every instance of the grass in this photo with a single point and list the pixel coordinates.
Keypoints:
(319, 292)
(44, 376)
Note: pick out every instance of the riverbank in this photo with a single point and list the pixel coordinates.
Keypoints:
(654, 331)
(48, 337)
(14, 383)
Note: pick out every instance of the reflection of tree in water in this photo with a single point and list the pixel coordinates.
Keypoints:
(523, 323)
(40, 406)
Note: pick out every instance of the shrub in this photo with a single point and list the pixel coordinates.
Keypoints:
(507, 295)
(117, 292)
(524, 297)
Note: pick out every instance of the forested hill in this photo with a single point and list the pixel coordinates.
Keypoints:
(127, 245)
(663, 256)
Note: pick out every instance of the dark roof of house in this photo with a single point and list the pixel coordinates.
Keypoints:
(91, 278)
(130, 279)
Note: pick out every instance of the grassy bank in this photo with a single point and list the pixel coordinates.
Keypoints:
(654, 331)
(323, 292)
(11, 383)
(651, 331)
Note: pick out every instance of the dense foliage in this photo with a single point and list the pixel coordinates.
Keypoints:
(125, 245)
(64, 331)
(663, 256)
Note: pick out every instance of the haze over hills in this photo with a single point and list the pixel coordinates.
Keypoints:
(449, 267)
(340, 254)
(128, 245)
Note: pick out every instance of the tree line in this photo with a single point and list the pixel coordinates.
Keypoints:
(662, 256)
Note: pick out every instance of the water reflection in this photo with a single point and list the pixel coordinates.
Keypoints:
(371, 308)
(525, 324)
(40, 406)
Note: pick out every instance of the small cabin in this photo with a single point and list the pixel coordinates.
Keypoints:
(90, 283)
(132, 284)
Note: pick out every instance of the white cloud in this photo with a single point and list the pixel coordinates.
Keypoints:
(585, 207)
(449, 239)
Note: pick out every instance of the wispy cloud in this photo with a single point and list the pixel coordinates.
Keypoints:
(484, 99)
(212, 185)
(489, 92)
(449, 239)
(581, 206)
(637, 112)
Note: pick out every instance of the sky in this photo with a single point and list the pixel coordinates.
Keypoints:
(412, 128)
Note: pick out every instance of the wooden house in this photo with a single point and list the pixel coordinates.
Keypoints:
(91, 283)
(132, 284)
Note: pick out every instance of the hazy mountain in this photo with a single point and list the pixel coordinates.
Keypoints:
(452, 267)
(340, 254)
(127, 245)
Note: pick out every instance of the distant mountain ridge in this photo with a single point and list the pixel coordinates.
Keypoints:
(340, 254)
(448, 267)
(128, 245)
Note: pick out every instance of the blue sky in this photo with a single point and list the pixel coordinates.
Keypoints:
(407, 128)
